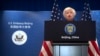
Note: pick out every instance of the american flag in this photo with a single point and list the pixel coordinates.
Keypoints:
(56, 13)
(46, 49)
(93, 49)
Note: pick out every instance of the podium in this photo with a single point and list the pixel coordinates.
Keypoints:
(70, 38)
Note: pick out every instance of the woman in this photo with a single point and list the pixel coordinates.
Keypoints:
(69, 13)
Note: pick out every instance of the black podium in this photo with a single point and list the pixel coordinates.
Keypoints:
(76, 33)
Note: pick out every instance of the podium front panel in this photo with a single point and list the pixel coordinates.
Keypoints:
(61, 31)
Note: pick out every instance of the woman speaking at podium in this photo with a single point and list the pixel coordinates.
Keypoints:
(69, 14)
(69, 50)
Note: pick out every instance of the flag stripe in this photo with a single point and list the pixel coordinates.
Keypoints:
(47, 49)
(43, 51)
(49, 46)
(95, 46)
(92, 48)
(97, 43)
(41, 54)
(90, 53)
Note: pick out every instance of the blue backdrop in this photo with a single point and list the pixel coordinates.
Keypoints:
(35, 33)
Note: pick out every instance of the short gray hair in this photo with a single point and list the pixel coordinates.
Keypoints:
(67, 8)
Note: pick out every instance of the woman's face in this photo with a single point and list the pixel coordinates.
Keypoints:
(69, 15)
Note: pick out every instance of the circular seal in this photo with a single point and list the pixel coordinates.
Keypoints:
(19, 37)
(70, 29)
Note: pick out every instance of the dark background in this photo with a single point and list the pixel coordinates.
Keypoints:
(46, 5)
